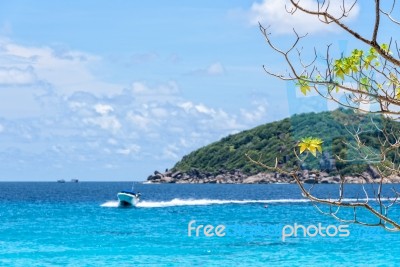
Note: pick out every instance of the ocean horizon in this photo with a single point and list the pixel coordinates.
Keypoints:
(80, 224)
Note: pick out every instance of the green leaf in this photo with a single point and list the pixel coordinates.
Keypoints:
(397, 93)
(302, 148)
(303, 84)
(311, 144)
(304, 89)
(365, 83)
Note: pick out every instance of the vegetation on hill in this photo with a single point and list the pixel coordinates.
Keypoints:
(277, 140)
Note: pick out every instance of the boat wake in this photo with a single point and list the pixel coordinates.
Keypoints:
(110, 204)
(205, 202)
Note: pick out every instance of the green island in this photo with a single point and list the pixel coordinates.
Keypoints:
(225, 161)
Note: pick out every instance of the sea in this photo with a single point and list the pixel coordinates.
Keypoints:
(80, 224)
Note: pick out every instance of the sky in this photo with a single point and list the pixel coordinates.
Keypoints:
(113, 90)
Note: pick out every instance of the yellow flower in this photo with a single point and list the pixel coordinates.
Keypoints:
(311, 144)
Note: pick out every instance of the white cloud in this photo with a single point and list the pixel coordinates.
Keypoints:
(110, 123)
(103, 109)
(101, 129)
(150, 121)
(190, 107)
(186, 106)
(204, 109)
(274, 13)
(216, 119)
(215, 69)
(66, 70)
(139, 120)
(17, 76)
(255, 115)
(129, 150)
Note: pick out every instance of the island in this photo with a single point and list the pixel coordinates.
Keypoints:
(225, 161)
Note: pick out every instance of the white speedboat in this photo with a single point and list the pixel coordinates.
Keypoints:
(128, 198)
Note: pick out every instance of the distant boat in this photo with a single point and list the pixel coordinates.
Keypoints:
(61, 181)
(128, 198)
(74, 180)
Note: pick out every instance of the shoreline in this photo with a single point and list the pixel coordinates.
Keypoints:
(238, 177)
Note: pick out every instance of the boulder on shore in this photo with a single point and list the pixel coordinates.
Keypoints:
(238, 177)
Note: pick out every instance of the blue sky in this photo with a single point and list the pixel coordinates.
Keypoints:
(113, 90)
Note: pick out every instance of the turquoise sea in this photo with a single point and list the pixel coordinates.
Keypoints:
(79, 224)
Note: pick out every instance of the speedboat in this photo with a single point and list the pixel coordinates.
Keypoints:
(128, 198)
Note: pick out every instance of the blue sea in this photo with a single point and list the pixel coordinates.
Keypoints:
(80, 224)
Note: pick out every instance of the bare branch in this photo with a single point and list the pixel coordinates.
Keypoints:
(367, 82)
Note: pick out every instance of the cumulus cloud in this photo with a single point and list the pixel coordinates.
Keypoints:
(103, 109)
(67, 70)
(274, 13)
(164, 127)
(104, 130)
(139, 120)
(212, 118)
(190, 107)
(144, 120)
(109, 123)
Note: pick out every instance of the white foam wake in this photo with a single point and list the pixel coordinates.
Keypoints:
(110, 204)
(199, 202)
(194, 202)
(205, 202)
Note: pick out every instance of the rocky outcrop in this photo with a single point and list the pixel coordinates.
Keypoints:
(195, 176)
